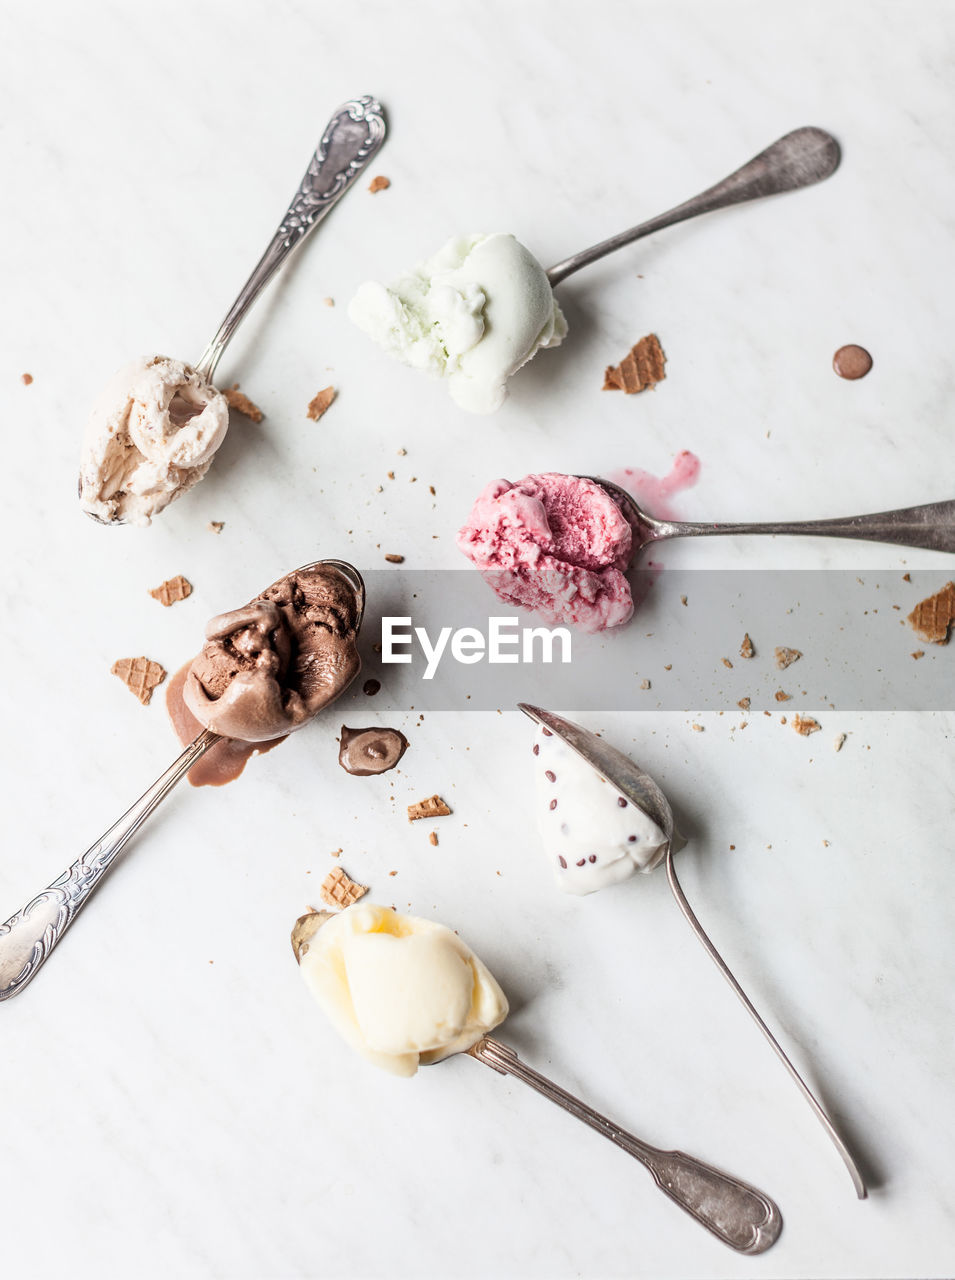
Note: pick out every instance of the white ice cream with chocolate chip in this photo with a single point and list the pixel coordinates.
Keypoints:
(592, 836)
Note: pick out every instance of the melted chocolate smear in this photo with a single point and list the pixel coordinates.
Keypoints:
(224, 761)
(852, 362)
(364, 752)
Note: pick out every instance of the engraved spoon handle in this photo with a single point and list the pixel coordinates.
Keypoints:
(798, 159)
(742, 1217)
(351, 138)
(931, 526)
(31, 933)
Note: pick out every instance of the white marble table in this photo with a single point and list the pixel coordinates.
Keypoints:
(174, 1105)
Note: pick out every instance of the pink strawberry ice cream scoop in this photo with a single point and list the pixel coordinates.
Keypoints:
(554, 544)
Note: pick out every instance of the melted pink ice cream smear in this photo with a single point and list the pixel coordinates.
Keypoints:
(557, 545)
(654, 492)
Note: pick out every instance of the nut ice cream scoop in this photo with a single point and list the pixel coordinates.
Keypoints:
(401, 990)
(482, 306)
(473, 313)
(558, 545)
(592, 835)
(266, 669)
(150, 436)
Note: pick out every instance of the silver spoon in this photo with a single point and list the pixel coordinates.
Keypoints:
(639, 789)
(798, 159)
(931, 526)
(738, 1214)
(31, 933)
(351, 139)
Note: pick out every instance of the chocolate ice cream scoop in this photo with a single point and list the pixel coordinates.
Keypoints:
(309, 655)
(364, 752)
(270, 666)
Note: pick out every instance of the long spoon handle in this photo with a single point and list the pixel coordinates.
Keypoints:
(351, 139)
(855, 1175)
(742, 1217)
(931, 526)
(798, 159)
(31, 933)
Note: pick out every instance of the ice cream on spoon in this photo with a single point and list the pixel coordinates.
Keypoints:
(482, 306)
(155, 428)
(404, 992)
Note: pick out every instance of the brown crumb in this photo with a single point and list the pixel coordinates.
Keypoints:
(683, 601)
(697, 728)
(393, 558)
(26, 378)
(433, 807)
(140, 676)
(727, 663)
(392, 873)
(329, 302)
(932, 618)
(402, 453)
(431, 489)
(215, 526)
(644, 684)
(379, 183)
(338, 890)
(239, 401)
(172, 590)
(840, 742)
(806, 725)
(336, 853)
(781, 696)
(432, 837)
(319, 403)
(906, 577)
(743, 704)
(919, 653)
(640, 368)
(747, 648)
(786, 657)
(371, 687)
(668, 666)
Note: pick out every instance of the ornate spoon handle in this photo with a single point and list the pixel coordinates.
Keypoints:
(742, 1217)
(351, 138)
(28, 937)
(798, 159)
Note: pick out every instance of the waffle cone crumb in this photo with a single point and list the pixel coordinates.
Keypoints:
(172, 590)
(640, 368)
(433, 837)
(139, 675)
(747, 649)
(786, 657)
(239, 401)
(433, 807)
(932, 619)
(338, 890)
(806, 725)
(319, 403)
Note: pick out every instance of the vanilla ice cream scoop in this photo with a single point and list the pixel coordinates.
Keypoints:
(473, 313)
(150, 436)
(401, 990)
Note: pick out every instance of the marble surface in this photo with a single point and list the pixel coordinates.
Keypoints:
(174, 1104)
